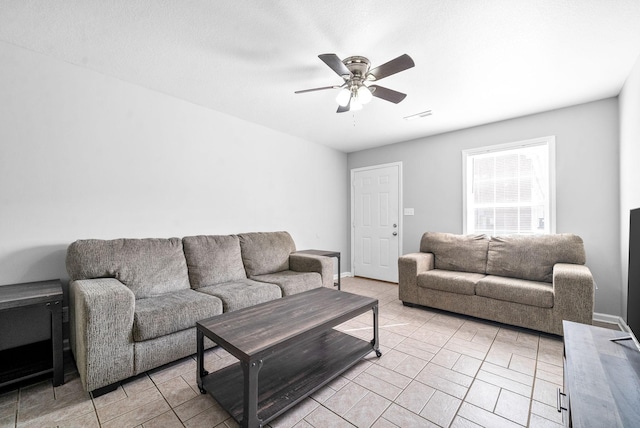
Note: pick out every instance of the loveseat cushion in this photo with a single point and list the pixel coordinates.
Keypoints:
(463, 253)
(243, 293)
(266, 252)
(532, 293)
(533, 257)
(160, 315)
(451, 281)
(149, 267)
(213, 259)
(292, 282)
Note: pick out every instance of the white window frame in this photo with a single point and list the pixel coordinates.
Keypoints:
(549, 141)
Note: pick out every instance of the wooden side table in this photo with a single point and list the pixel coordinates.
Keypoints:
(30, 326)
(325, 253)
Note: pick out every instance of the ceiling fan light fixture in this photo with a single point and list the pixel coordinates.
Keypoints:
(344, 96)
(364, 94)
(355, 104)
(356, 72)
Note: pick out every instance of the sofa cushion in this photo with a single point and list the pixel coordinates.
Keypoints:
(292, 282)
(463, 253)
(213, 259)
(266, 252)
(533, 257)
(171, 312)
(532, 293)
(451, 281)
(243, 293)
(149, 267)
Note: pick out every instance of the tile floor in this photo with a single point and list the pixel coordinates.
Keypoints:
(437, 369)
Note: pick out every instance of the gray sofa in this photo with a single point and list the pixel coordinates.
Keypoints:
(134, 302)
(527, 281)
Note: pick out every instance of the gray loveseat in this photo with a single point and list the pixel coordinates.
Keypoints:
(134, 302)
(527, 281)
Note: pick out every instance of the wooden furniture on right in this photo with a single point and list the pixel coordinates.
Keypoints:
(601, 378)
(287, 348)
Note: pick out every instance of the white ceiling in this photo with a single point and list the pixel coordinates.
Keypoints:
(476, 61)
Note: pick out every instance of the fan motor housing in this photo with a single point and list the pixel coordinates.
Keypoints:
(357, 65)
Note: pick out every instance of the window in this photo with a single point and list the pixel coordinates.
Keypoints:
(510, 188)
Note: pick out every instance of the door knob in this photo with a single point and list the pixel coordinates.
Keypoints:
(395, 233)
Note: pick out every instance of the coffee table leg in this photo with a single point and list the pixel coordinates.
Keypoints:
(250, 411)
(376, 342)
(200, 360)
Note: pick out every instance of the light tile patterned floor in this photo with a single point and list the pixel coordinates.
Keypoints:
(437, 369)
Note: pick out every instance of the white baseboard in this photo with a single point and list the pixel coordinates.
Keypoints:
(611, 319)
(343, 275)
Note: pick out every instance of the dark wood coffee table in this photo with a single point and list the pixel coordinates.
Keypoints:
(287, 349)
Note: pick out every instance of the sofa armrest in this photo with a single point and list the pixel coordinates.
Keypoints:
(101, 323)
(312, 263)
(409, 266)
(573, 293)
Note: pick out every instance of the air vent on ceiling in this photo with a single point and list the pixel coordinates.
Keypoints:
(418, 115)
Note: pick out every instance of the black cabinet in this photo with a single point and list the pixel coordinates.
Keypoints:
(31, 331)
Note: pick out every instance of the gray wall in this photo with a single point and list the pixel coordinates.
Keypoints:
(629, 165)
(84, 155)
(587, 182)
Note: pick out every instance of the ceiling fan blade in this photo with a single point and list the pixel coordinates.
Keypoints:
(317, 89)
(387, 94)
(335, 64)
(403, 62)
(342, 109)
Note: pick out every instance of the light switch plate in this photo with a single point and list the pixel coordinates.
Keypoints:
(408, 211)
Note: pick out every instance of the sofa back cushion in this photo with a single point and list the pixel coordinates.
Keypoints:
(266, 252)
(533, 257)
(149, 267)
(213, 259)
(464, 253)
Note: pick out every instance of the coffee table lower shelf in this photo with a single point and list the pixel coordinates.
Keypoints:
(288, 376)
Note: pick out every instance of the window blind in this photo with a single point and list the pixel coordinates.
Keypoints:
(508, 189)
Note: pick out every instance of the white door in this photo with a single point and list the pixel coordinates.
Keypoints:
(375, 214)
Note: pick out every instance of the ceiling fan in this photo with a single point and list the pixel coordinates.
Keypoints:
(355, 91)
